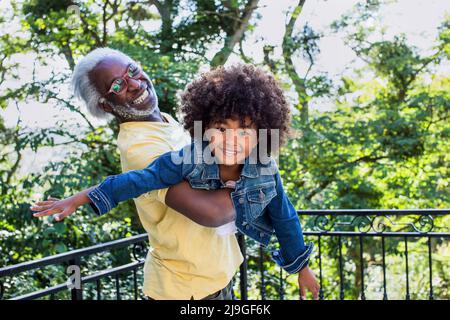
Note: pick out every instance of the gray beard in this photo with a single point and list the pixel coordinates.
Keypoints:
(126, 112)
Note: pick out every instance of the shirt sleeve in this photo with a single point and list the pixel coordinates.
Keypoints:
(164, 172)
(293, 254)
(161, 195)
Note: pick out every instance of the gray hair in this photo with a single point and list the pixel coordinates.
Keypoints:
(82, 86)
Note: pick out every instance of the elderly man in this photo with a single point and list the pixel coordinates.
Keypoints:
(187, 259)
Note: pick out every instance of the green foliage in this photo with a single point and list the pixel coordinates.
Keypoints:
(384, 145)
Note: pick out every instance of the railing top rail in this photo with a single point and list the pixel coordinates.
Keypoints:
(66, 256)
(379, 212)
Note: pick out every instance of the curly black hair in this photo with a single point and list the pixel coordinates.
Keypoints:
(236, 92)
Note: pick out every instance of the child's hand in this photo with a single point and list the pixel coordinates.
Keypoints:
(307, 280)
(59, 208)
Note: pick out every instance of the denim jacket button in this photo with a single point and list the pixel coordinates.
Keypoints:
(261, 195)
(241, 200)
(247, 227)
(275, 253)
(261, 234)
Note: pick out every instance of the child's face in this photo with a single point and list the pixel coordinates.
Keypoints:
(230, 142)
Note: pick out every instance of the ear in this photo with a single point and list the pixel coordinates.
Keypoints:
(104, 105)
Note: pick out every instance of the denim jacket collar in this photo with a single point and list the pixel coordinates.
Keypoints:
(250, 170)
(212, 171)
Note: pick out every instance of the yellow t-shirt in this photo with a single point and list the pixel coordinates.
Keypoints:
(185, 259)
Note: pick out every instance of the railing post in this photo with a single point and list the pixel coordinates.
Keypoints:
(407, 269)
(430, 266)
(2, 290)
(361, 258)
(281, 284)
(261, 269)
(385, 297)
(243, 267)
(320, 269)
(99, 289)
(76, 293)
(135, 285)
(341, 270)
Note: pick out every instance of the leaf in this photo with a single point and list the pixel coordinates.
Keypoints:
(60, 247)
(60, 228)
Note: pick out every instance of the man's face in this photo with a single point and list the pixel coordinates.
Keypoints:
(138, 98)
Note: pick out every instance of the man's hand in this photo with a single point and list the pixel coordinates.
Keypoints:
(307, 280)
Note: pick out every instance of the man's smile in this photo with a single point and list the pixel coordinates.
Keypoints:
(144, 98)
(141, 98)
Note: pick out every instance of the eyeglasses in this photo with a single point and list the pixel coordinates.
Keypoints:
(121, 84)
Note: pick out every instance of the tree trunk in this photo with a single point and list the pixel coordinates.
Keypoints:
(165, 10)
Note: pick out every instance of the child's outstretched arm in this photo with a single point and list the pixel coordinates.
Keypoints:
(165, 171)
(294, 254)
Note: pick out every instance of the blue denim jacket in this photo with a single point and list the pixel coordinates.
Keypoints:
(262, 207)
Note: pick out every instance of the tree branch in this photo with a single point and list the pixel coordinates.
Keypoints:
(87, 30)
(324, 184)
(72, 108)
(299, 83)
(236, 34)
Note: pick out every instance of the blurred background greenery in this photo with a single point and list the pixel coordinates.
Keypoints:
(371, 130)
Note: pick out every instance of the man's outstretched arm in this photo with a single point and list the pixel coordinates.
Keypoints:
(210, 208)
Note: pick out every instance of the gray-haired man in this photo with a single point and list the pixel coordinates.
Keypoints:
(188, 259)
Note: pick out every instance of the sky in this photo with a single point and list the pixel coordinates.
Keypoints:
(418, 19)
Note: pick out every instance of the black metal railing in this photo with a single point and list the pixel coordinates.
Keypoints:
(336, 226)
(74, 258)
(380, 235)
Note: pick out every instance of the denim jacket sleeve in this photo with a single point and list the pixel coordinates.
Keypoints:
(293, 254)
(165, 171)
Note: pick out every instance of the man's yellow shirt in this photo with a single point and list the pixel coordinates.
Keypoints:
(185, 259)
